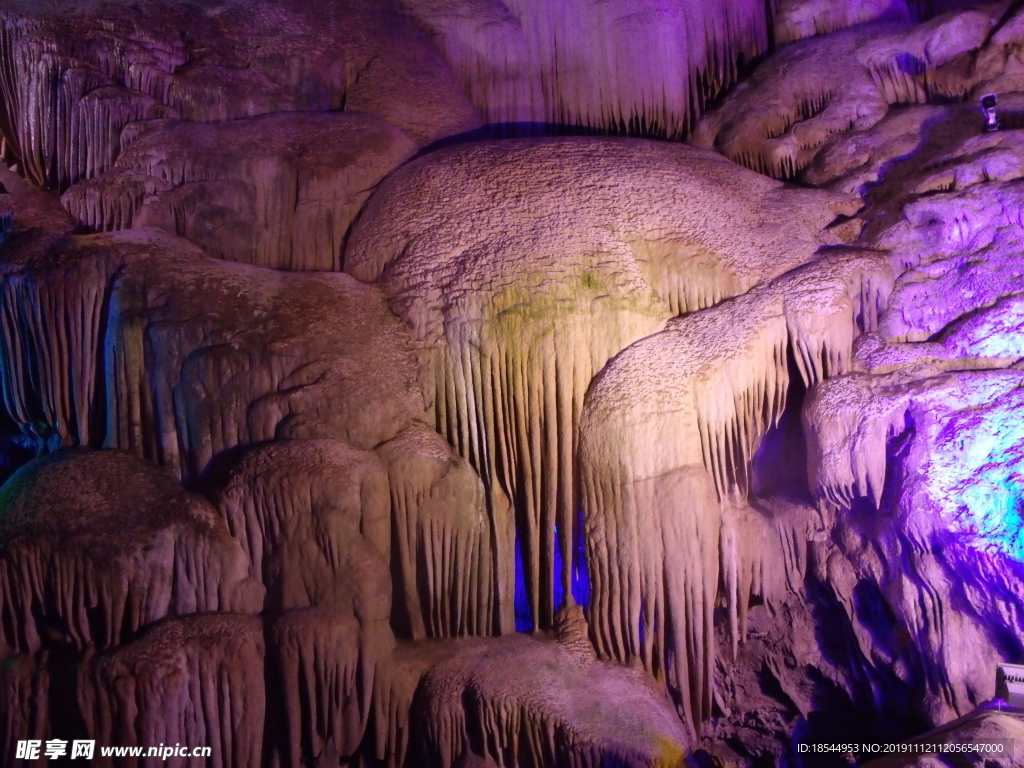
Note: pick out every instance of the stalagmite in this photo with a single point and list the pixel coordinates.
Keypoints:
(535, 701)
(282, 194)
(557, 255)
(195, 682)
(99, 544)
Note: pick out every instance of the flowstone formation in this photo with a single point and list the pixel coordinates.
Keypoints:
(284, 196)
(343, 425)
(518, 310)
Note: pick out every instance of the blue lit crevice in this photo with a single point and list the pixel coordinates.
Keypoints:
(579, 581)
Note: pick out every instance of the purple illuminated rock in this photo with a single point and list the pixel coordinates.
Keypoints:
(97, 545)
(78, 73)
(277, 191)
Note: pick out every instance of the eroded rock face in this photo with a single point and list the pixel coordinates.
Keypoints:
(778, 120)
(912, 454)
(985, 725)
(516, 699)
(797, 19)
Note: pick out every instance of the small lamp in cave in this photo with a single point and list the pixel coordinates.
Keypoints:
(1010, 684)
(988, 109)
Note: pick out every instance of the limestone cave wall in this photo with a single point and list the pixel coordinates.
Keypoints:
(472, 384)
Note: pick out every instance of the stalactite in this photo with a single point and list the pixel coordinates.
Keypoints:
(64, 115)
(282, 195)
(313, 515)
(516, 313)
(667, 436)
(751, 543)
(346, 373)
(325, 665)
(847, 422)
(114, 201)
(24, 701)
(74, 79)
(648, 506)
(99, 544)
(395, 687)
(103, 349)
(51, 325)
(828, 302)
(600, 65)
